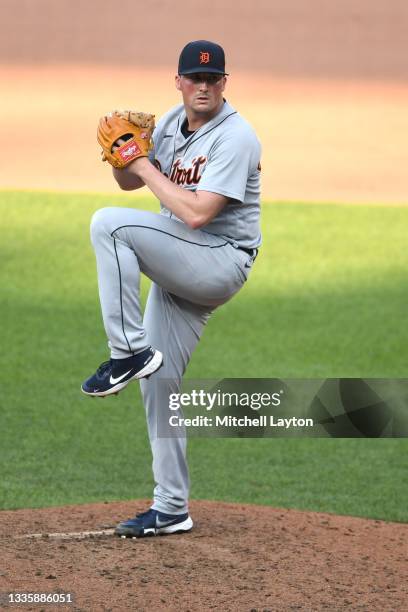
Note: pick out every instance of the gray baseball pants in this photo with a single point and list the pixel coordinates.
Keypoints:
(193, 272)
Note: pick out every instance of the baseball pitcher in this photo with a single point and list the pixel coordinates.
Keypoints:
(202, 162)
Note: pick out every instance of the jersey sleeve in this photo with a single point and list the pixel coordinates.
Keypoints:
(231, 161)
(152, 155)
(155, 139)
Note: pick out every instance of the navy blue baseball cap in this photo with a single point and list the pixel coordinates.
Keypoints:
(202, 56)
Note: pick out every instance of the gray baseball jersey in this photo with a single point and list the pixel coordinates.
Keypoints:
(192, 271)
(223, 157)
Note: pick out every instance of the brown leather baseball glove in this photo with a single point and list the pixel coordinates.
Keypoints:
(125, 136)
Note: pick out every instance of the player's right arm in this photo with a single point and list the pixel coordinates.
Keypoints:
(195, 208)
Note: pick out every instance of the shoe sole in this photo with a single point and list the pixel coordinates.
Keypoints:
(154, 364)
(183, 527)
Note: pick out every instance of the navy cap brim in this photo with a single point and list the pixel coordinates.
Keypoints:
(204, 71)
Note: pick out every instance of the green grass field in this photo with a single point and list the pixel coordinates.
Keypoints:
(327, 298)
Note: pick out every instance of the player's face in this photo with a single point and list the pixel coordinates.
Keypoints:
(202, 92)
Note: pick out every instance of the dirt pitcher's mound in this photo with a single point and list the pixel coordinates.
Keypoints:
(238, 557)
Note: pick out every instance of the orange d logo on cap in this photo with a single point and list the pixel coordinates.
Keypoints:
(204, 57)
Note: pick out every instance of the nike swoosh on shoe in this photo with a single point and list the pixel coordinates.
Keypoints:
(160, 524)
(113, 381)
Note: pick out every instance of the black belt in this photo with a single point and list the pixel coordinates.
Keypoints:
(251, 252)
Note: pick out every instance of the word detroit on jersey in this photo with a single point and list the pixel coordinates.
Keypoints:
(204, 168)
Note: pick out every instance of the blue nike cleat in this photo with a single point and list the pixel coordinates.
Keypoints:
(153, 523)
(114, 375)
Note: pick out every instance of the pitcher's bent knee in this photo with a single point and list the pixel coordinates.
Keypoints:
(102, 222)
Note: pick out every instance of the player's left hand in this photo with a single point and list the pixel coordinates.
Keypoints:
(124, 136)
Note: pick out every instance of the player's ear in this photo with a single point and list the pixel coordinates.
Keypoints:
(224, 82)
(177, 82)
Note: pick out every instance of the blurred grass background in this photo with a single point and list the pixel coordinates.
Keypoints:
(327, 298)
